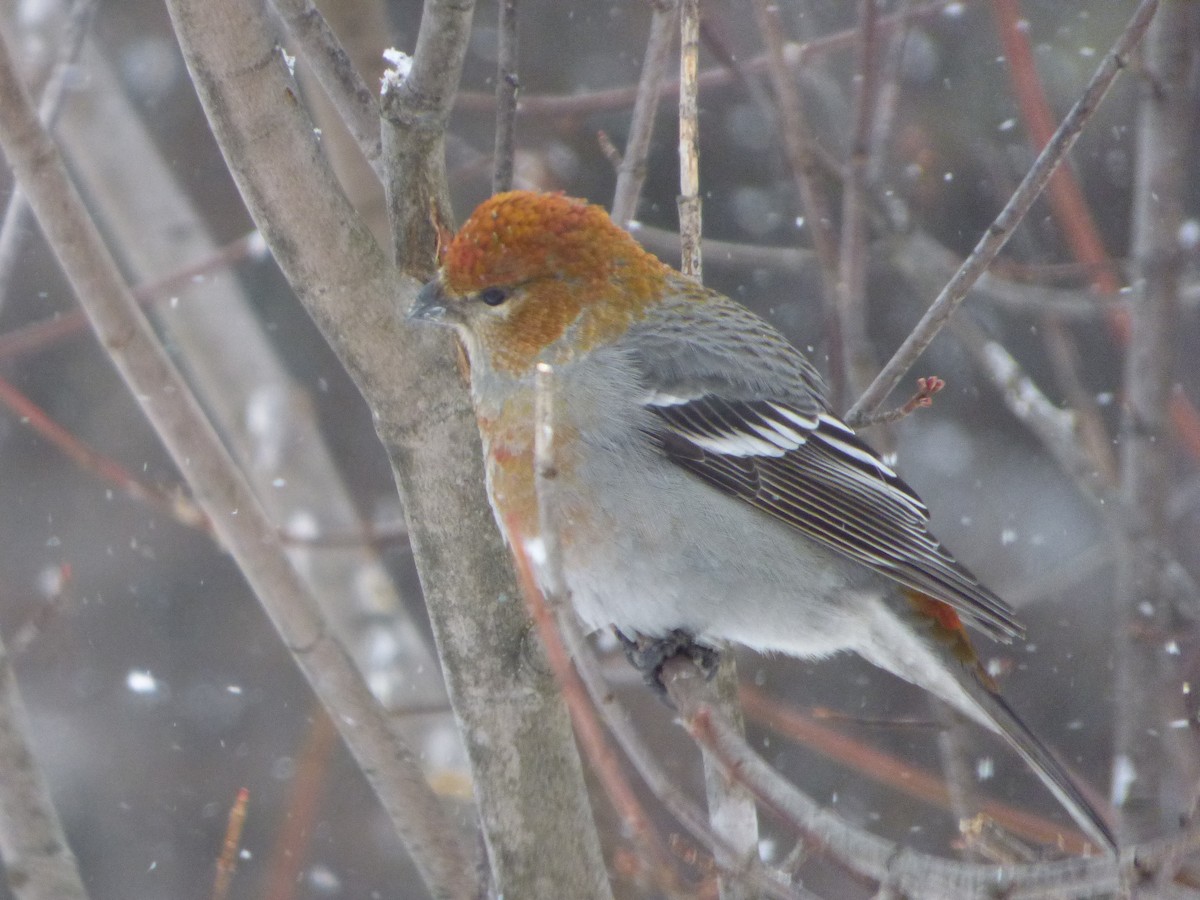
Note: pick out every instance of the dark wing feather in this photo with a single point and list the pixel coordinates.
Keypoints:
(809, 470)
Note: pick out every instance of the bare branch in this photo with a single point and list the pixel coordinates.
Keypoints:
(796, 56)
(631, 173)
(1014, 211)
(801, 160)
(507, 85)
(1075, 222)
(689, 141)
(1055, 428)
(181, 509)
(13, 226)
(926, 387)
(731, 809)
(851, 282)
(224, 495)
(355, 102)
(537, 825)
(1145, 601)
(416, 110)
(38, 862)
(905, 872)
(527, 774)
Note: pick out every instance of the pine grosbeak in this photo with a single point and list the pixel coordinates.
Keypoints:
(704, 484)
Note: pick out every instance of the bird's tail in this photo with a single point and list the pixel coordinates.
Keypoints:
(929, 647)
(996, 712)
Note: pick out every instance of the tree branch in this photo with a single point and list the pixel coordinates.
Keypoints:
(1014, 211)
(507, 85)
(526, 769)
(1142, 772)
(224, 495)
(631, 173)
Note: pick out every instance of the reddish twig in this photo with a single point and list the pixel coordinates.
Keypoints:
(178, 507)
(41, 335)
(926, 388)
(609, 149)
(900, 872)
(1074, 219)
(227, 861)
(894, 773)
(592, 740)
(289, 856)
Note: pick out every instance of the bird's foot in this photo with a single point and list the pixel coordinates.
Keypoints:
(649, 654)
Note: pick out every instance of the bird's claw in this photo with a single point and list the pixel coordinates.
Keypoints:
(649, 654)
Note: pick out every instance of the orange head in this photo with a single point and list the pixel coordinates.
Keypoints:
(526, 267)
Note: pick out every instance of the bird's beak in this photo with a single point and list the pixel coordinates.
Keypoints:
(430, 305)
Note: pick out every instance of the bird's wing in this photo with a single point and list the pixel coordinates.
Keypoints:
(764, 434)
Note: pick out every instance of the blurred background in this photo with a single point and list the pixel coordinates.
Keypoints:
(155, 686)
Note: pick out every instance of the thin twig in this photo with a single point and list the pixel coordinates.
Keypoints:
(1075, 221)
(46, 333)
(12, 229)
(1056, 428)
(690, 216)
(507, 86)
(795, 55)
(852, 259)
(1014, 211)
(926, 387)
(802, 162)
(177, 507)
(355, 102)
(953, 744)
(731, 808)
(888, 93)
(223, 493)
(292, 850)
(631, 173)
(895, 774)
(545, 483)
(609, 149)
(227, 861)
(908, 872)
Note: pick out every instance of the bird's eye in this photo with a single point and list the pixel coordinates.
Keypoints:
(493, 296)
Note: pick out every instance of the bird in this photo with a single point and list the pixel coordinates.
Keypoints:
(704, 485)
